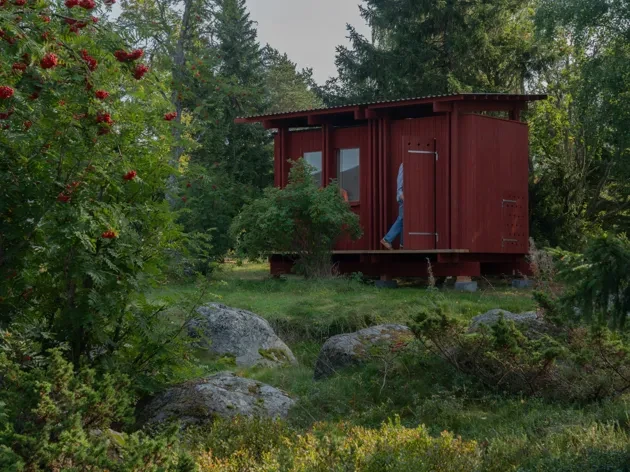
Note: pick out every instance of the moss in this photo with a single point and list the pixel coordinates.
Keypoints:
(274, 355)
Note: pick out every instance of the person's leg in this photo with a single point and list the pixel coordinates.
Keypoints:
(401, 217)
(396, 228)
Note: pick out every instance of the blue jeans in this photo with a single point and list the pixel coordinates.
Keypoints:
(397, 227)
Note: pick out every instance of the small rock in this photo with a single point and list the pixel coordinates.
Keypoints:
(221, 395)
(350, 349)
(245, 336)
(529, 322)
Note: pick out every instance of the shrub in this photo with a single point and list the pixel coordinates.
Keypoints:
(598, 282)
(85, 157)
(302, 219)
(390, 447)
(572, 365)
(52, 418)
(213, 200)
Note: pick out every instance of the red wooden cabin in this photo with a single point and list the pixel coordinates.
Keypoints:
(465, 179)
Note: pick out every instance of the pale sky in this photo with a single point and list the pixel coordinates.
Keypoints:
(307, 30)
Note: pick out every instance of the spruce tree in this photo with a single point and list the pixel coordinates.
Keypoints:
(424, 47)
(246, 151)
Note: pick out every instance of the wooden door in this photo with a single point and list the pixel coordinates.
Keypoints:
(420, 164)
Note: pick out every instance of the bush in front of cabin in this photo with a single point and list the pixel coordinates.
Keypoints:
(302, 220)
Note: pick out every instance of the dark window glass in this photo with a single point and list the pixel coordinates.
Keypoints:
(348, 173)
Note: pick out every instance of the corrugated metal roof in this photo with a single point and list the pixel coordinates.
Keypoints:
(393, 101)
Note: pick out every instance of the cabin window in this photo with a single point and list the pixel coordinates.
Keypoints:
(348, 173)
(315, 159)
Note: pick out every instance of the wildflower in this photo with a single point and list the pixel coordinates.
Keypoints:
(87, 4)
(27, 125)
(71, 3)
(63, 198)
(130, 175)
(19, 67)
(170, 116)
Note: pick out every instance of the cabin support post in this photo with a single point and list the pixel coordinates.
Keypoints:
(386, 282)
(465, 284)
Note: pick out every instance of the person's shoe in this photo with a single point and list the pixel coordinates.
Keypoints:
(386, 245)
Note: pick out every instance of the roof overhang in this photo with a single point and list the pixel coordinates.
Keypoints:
(465, 102)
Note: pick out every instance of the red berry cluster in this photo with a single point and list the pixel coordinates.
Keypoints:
(19, 67)
(27, 125)
(6, 92)
(130, 175)
(66, 195)
(90, 61)
(101, 94)
(170, 116)
(7, 115)
(109, 234)
(75, 25)
(109, 3)
(20, 3)
(105, 118)
(87, 4)
(140, 70)
(49, 61)
(124, 56)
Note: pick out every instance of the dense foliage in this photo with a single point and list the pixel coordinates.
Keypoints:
(301, 220)
(54, 418)
(598, 283)
(85, 146)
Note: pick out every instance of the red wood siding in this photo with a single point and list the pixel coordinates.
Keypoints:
(491, 175)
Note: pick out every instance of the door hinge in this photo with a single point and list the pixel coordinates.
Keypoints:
(437, 235)
(508, 241)
(411, 151)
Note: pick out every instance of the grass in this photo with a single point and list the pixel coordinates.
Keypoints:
(315, 310)
(421, 390)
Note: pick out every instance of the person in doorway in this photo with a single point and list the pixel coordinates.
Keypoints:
(397, 227)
